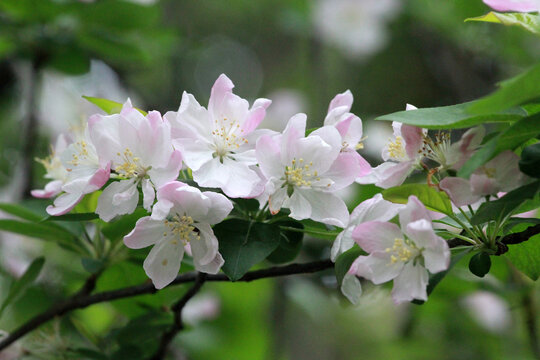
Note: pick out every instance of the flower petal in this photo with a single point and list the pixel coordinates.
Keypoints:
(146, 232)
(410, 284)
(373, 236)
(118, 198)
(163, 262)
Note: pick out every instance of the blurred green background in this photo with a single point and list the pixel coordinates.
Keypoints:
(300, 54)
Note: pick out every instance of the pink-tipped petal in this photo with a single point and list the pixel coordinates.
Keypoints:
(146, 232)
(373, 236)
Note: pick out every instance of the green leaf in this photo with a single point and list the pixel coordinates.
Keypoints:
(109, 106)
(509, 139)
(70, 60)
(19, 286)
(39, 231)
(480, 264)
(435, 279)
(529, 22)
(319, 230)
(433, 199)
(93, 266)
(245, 243)
(20, 212)
(526, 256)
(344, 262)
(117, 229)
(530, 161)
(511, 92)
(290, 243)
(451, 117)
(73, 217)
(500, 208)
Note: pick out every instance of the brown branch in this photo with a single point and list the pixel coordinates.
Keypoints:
(79, 302)
(178, 323)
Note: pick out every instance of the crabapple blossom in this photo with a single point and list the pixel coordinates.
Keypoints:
(372, 209)
(501, 174)
(401, 254)
(55, 170)
(303, 172)
(514, 5)
(401, 155)
(140, 151)
(180, 222)
(218, 143)
(86, 174)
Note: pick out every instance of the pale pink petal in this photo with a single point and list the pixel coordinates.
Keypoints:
(212, 174)
(221, 88)
(513, 5)
(300, 206)
(241, 181)
(342, 243)
(459, 191)
(51, 189)
(186, 199)
(119, 198)
(149, 194)
(373, 236)
(219, 209)
(351, 288)
(410, 284)
(413, 211)
(254, 118)
(163, 262)
(351, 130)
(436, 252)
(161, 176)
(325, 207)
(380, 267)
(205, 249)
(295, 130)
(482, 185)
(276, 200)
(413, 137)
(392, 174)
(64, 203)
(344, 99)
(376, 209)
(146, 232)
(262, 102)
(345, 169)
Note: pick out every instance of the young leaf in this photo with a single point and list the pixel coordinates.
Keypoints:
(20, 212)
(245, 243)
(290, 243)
(109, 106)
(344, 262)
(73, 217)
(451, 117)
(480, 264)
(529, 22)
(500, 208)
(39, 231)
(19, 286)
(433, 199)
(512, 92)
(526, 257)
(509, 139)
(530, 161)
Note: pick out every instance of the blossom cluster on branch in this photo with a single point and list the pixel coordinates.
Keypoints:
(138, 159)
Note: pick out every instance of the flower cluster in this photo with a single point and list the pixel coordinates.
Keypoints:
(147, 160)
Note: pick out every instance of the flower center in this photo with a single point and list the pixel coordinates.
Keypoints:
(403, 250)
(396, 149)
(299, 174)
(490, 172)
(225, 138)
(437, 149)
(131, 167)
(81, 153)
(181, 228)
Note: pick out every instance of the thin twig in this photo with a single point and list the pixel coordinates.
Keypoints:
(178, 324)
(79, 302)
